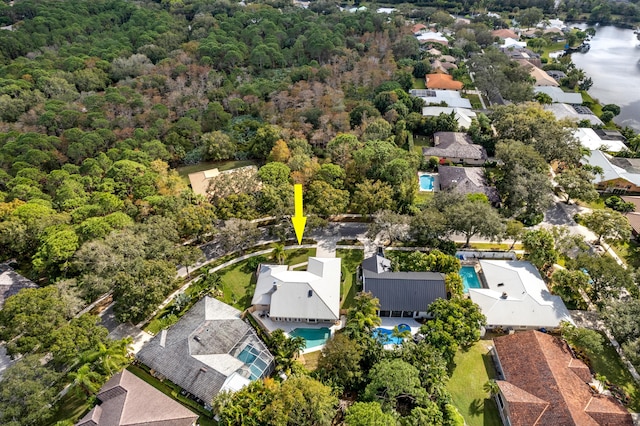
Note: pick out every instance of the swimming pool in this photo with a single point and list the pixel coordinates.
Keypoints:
(313, 336)
(426, 182)
(386, 336)
(469, 278)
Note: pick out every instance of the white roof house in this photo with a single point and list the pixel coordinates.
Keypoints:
(559, 95)
(310, 295)
(609, 170)
(432, 36)
(573, 113)
(517, 297)
(463, 116)
(591, 140)
(433, 96)
(513, 43)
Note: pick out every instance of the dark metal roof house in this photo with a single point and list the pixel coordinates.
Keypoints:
(466, 180)
(457, 147)
(401, 293)
(210, 349)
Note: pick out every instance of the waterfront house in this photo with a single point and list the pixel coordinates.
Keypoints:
(592, 140)
(311, 296)
(541, 383)
(516, 297)
(540, 76)
(126, 400)
(466, 180)
(401, 294)
(211, 349)
(558, 95)
(456, 147)
(573, 113)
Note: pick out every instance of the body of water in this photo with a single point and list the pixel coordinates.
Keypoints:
(612, 63)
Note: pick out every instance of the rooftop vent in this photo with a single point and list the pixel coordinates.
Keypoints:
(504, 295)
(196, 338)
(501, 285)
(310, 293)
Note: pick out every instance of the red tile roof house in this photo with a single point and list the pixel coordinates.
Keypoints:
(127, 400)
(543, 384)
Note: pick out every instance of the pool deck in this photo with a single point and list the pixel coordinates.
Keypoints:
(389, 323)
(289, 326)
(436, 181)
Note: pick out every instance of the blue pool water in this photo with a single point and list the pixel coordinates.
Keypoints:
(426, 182)
(386, 336)
(469, 278)
(312, 336)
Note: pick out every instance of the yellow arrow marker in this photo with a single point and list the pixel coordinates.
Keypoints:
(298, 219)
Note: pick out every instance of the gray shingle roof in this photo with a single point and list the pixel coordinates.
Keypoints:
(11, 282)
(401, 291)
(466, 180)
(455, 145)
(202, 350)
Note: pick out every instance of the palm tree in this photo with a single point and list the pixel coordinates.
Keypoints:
(87, 380)
(109, 358)
(491, 387)
(279, 254)
(362, 317)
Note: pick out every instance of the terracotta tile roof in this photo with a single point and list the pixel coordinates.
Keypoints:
(418, 27)
(543, 366)
(442, 81)
(504, 33)
(127, 400)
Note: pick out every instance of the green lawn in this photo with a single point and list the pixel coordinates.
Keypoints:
(71, 407)
(609, 364)
(473, 368)
(629, 252)
(239, 282)
(419, 83)
(552, 47)
(351, 259)
(422, 197)
(220, 165)
(475, 101)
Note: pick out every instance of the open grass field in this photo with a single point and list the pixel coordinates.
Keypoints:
(419, 83)
(72, 407)
(473, 369)
(351, 259)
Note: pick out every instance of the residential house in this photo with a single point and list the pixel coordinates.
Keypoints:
(442, 81)
(512, 43)
(200, 180)
(540, 76)
(434, 52)
(543, 384)
(619, 175)
(463, 116)
(634, 216)
(211, 349)
(442, 67)
(523, 55)
(516, 297)
(556, 75)
(437, 97)
(300, 296)
(559, 96)
(432, 37)
(126, 400)
(11, 282)
(610, 135)
(573, 113)
(591, 140)
(401, 294)
(466, 180)
(456, 147)
(504, 33)
(418, 29)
